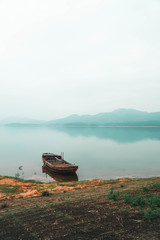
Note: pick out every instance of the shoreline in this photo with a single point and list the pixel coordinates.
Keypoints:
(98, 209)
(15, 188)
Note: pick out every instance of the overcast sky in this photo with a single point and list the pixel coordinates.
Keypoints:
(78, 56)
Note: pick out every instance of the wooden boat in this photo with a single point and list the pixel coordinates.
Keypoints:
(59, 177)
(57, 164)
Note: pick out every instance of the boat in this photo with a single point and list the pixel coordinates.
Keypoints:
(57, 164)
(58, 176)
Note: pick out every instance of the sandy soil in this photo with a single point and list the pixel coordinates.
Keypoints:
(31, 189)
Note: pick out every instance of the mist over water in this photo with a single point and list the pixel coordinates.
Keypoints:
(99, 152)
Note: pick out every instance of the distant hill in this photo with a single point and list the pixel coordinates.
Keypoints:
(17, 120)
(120, 117)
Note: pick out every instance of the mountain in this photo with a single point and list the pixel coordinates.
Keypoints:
(17, 120)
(120, 117)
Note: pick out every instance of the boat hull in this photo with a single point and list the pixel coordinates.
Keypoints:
(58, 176)
(58, 165)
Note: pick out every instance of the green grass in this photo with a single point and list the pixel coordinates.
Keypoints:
(60, 184)
(21, 179)
(134, 201)
(155, 186)
(8, 189)
(146, 199)
(146, 189)
(46, 193)
(152, 214)
(124, 209)
(122, 185)
(73, 184)
(28, 181)
(68, 217)
(32, 210)
(35, 235)
(113, 195)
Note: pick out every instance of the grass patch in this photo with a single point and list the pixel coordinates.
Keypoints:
(21, 179)
(32, 210)
(152, 214)
(148, 200)
(46, 193)
(124, 209)
(113, 195)
(28, 181)
(68, 217)
(155, 186)
(146, 189)
(73, 184)
(34, 235)
(134, 201)
(122, 185)
(8, 189)
(60, 184)
(145, 199)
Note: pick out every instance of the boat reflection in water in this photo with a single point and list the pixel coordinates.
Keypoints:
(59, 177)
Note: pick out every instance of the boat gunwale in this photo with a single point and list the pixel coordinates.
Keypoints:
(71, 168)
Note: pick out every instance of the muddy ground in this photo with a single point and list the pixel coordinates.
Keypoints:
(86, 213)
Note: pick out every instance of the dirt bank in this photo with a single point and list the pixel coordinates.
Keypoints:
(11, 188)
(99, 209)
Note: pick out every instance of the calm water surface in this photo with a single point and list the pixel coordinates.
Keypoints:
(99, 152)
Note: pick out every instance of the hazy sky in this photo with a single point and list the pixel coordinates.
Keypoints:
(78, 56)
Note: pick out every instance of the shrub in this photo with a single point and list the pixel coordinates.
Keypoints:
(145, 189)
(46, 193)
(152, 214)
(113, 195)
(154, 202)
(147, 200)
(139, 201)
(156, 186)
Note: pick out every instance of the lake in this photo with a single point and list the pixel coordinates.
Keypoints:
(100, 152)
